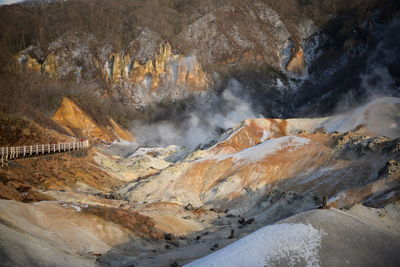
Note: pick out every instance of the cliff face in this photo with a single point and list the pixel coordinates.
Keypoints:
(162, 69)
(236, 33)
(163, 75)
(148, 71)
(78, 123)
(249, 33)
(317, 54)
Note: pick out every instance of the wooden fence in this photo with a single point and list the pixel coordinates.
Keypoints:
(10, 153)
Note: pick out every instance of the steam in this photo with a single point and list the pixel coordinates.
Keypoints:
(209, 116)
(381, 75)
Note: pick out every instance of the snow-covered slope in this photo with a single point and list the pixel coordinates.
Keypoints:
(315, 238)
(293, 243)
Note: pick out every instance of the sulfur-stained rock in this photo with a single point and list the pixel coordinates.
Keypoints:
(77, 122)
(297, 64)
(50, 66)
(164, 68)
(31, 58)
(149, 70)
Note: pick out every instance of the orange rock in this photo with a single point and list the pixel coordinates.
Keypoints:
(78, 123)
(297, 64)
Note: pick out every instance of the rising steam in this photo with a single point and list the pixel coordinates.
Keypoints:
(207, 118)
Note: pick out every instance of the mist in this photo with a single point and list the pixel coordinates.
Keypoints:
(207, 118)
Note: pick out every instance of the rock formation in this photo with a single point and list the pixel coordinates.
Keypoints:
(243, 33)
(78, 123)
(148, 71)
(273, 190)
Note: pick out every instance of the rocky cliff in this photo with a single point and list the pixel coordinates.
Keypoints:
(310, 55)
(251, 33)
(148, 71)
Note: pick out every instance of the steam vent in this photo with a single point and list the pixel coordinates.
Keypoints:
(175, 133)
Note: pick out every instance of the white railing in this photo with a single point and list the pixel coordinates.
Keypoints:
(9, 153)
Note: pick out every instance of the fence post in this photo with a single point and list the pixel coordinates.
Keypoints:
(9, 153)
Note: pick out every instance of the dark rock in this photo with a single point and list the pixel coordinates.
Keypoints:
(169, 236)
(189, 207)
(215, 246)
(232, 235)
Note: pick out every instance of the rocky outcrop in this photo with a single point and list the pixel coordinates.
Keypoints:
(165, 75)
(148, 71)
(31, 58)
(378, 193)
(239, 34)
(297, 63)
(78, 123)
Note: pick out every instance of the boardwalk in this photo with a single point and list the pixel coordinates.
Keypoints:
(10, 153)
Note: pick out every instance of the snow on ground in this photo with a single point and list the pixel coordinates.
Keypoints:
(265, 136)
(290, 244)
(72, 205)
(264, 149)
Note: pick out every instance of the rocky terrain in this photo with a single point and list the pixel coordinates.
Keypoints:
(303, 47)
(117, 205)
(222, 133)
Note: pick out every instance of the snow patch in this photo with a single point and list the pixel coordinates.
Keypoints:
(265, 136)
(72, 205)
(338, 196)
(287, 244)
(77, 206)
(260, 151)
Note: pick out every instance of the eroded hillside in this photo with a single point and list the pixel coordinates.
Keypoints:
(158, 206)
(222, 133)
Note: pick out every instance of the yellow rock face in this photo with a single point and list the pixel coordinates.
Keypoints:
(50, 65)
(29, 62)
(71, 117)
(121, 132)
(165, 67)
(297, 64)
